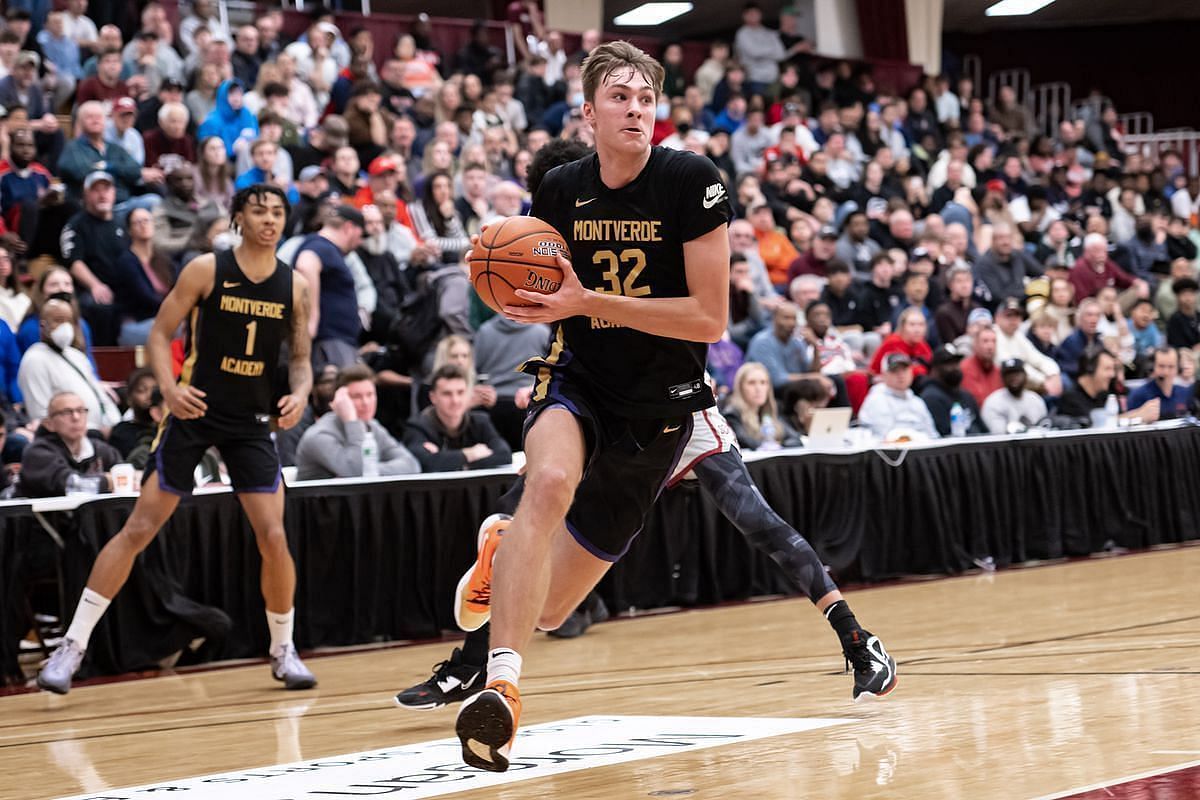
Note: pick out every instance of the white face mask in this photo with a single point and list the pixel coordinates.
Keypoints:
(662, 111)
(63, 335)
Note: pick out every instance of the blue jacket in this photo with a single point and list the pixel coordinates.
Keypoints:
(226, 123)
(10, 360)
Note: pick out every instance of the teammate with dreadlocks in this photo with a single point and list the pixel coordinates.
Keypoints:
(240, 305)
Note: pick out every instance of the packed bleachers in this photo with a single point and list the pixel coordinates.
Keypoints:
(929, 259)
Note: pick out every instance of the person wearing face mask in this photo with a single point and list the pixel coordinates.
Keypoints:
(1013, 407)
(943, 389)
(56, 364)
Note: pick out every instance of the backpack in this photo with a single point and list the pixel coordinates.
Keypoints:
(419, 325)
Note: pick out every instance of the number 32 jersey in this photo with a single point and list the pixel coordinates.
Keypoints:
(629, 241)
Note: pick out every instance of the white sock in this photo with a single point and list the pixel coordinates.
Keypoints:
(280, 625)
(89, 611)
(504, 665)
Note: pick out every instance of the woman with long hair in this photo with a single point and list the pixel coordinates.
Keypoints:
(56, 283)
(437, 221)
(214, 182)
(447, 100)
(13, 302)
(458, 350)
(751, 413)
(145, 279)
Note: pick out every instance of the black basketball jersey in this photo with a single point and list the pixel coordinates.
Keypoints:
(233, 341)
(629, 241)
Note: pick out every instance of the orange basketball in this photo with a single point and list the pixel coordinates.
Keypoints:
(516, 253)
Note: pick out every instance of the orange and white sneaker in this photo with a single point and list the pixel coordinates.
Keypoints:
(473, 598)
(487, 724)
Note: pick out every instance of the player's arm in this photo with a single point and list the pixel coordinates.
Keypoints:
(194, 284)
(701, 316)
(300, 377)
(309, 266)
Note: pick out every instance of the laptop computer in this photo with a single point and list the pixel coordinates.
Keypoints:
(828, 428)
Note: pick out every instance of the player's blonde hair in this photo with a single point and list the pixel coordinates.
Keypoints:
(609, 58)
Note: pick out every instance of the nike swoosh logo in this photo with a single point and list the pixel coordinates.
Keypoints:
(672, 430)
(231, 284)
(713, 202)
(579, 202)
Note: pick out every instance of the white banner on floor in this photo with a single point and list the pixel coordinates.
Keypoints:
(434, 769)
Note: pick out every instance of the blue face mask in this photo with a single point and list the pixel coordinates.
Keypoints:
(663, 111)
(577, 99)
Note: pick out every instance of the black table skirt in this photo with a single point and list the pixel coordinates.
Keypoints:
(379, 562)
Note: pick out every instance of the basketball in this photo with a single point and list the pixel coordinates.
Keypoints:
(516, 253)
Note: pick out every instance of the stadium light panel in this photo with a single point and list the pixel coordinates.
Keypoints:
(652, 14)
(1016, 8)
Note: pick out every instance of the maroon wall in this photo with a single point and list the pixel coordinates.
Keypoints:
(1151, 67)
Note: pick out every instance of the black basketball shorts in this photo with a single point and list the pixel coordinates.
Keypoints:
(628, 464)
(246, 448)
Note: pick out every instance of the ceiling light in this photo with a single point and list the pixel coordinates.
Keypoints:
(1016, 8)
(652, 13)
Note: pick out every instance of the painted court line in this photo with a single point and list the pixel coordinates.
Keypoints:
(433, 769)
(1080, 791)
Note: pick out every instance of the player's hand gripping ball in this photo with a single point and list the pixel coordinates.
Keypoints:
(516, 253)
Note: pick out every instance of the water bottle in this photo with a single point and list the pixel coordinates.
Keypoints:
(768, 434)
(958, 421)
(370, 455)
(1112, 411)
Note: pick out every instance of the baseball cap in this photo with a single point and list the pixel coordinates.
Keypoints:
(1012, 305)
(827, 232)
(979, 315)
(995, 185)
(95, 177)
(1012, 365)
(894, 361)
(921, 254)
(381, 165)
(947, 354)
(310, 172)
(29, 57)
(125, 105)
(350, 214)
(171, 83)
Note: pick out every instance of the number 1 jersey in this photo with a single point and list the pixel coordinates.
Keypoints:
(629, 241)
(234, 338)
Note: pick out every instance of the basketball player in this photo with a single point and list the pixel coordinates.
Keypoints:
(241, 305)
(613, 400)
(712, 459)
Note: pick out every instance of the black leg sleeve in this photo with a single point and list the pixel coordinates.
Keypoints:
(725, 479)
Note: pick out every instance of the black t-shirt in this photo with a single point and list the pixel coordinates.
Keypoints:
(1182, 330)
(629, 241)
(96, 242)
(876, 305)
(1075, 402)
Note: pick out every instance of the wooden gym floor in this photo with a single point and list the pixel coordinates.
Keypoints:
(1027, 683)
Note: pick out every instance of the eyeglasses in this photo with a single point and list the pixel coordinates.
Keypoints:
(70, 412)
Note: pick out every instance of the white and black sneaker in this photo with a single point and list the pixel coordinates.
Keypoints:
(287, 668)
(874, 669)
(452, 682)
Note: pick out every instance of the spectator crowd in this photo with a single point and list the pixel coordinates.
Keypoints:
(932, 259)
